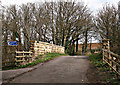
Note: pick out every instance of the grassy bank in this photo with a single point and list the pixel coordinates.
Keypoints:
(96, 59)
(39, 59)
(110, 76)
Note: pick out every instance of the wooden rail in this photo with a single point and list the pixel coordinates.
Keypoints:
(23, 57)
(112, 59)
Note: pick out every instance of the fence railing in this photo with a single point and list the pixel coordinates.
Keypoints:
(112, 59)
(23, 57)
(16, 58)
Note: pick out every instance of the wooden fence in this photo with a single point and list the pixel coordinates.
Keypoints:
(112, 59)
(16, 58)
(23, 57)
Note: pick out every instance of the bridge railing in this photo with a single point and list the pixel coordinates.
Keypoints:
(112, 59)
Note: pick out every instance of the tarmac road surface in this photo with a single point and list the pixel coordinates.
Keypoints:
(64, 69)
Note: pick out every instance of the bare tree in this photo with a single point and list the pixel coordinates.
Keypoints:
(107, 25)
(62, 23)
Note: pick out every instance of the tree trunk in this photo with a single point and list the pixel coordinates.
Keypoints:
(73, 46)
(77, 45)
(5, 44)
(90, 46)
(83, 49)
(63, 38)
(85, 41)
(119, 27)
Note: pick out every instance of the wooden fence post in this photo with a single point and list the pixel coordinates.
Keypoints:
(111, 62)
(106, 45)
(117, 68)
(103, 56)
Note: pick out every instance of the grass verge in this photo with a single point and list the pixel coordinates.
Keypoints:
(110, 76)
(39, 59)
(96, 59)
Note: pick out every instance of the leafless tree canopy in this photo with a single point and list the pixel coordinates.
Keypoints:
(60, 23)
(107, 24)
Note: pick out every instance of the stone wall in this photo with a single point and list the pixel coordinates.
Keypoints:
(38, 48)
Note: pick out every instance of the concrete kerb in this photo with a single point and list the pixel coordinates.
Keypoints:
(9, 75)
(19, 72)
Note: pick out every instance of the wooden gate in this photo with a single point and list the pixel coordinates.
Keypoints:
(112, 59)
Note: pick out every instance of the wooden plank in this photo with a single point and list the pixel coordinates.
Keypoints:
(105, 39)
(24, 52)
(20, 60)
(19, 56)
(114, 62)
(112, 68)
(111, 53)
(24, 56)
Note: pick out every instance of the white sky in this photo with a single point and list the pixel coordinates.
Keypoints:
(94, 5)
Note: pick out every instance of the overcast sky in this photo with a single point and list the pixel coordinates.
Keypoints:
(94, 5)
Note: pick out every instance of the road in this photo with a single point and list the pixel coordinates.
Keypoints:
(64, 69)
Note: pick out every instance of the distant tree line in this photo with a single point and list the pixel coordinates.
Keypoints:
(60, 23)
